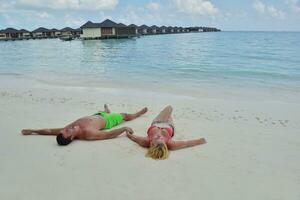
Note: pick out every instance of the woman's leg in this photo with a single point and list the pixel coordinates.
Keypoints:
(164, 116)
(52, 131)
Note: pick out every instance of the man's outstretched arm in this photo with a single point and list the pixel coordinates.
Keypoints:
(94, 134)
(47, 131)
(174, 145)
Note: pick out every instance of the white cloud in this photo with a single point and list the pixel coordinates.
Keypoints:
(294, 4)
(43, 15)
(153, 6)
(143, 15)
(196, 7)
(72, 4)
(263, 8)
(274, 12)
(4, 6)
(259, 6)
(73, 21)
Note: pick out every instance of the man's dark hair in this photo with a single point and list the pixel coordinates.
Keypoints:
(61, 140)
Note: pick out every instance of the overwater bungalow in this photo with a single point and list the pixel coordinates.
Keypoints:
(2, 35)
(14, 34)
(125, 31)
(67, 31)
(195, 29)
(144, 29)
(91, 30)
(9, 34)
(170, 29)
(24, 34)
(158, 30)
(106, 29)
(55, 32)
(186, 30)
(200, 29)
(176, 29)
(78, 31)
(210, 29)
(154, 29)
(163, 29)
(70, 32)
(41, 33)
(136, 28)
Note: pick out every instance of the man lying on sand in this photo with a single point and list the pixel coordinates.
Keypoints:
(159, 136)
(90, 127)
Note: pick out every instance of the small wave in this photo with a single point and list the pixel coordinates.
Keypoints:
(10, 74)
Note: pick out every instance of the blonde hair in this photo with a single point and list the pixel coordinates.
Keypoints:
(158, 152)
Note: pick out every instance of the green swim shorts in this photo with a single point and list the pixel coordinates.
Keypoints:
(112, 119)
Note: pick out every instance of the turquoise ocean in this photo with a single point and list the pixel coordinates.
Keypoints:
(234, 59)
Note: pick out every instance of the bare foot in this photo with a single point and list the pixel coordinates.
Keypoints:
(26, 131)
(143, 111)
(106, 109)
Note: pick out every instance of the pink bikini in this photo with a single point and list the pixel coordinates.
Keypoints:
(167, 128)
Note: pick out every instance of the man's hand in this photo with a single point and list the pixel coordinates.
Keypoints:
(129, 135)
(26, 132)
(128, 130)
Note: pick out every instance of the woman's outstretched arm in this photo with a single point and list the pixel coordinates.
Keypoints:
(174, 145)
(142, 141)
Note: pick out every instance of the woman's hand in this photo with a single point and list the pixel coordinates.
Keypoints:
(128, 130)
(201, 141)
(142, 141)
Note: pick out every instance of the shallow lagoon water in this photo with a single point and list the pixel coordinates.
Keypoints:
(243, 59)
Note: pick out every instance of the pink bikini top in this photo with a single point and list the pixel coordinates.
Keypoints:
(169, 130)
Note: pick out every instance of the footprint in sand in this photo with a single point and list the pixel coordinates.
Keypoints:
(282, 122)
(259, 120)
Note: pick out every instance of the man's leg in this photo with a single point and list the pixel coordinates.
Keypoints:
(129, 117)
(52, 131)
(106, 109)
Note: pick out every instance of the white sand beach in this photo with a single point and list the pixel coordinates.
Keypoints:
(252, 150)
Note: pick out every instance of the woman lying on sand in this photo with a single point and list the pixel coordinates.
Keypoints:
(90, 127)
(159, 139)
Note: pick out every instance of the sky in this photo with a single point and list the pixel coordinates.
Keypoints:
(245, 15)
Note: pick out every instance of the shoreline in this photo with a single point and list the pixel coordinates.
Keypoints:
(214, 90)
